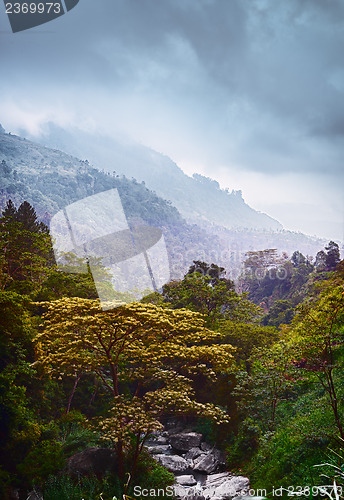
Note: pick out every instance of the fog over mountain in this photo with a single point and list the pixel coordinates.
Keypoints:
(50, 179)
(198, 198)
(247, 92)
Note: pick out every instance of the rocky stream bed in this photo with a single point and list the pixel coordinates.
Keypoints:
(199, 468)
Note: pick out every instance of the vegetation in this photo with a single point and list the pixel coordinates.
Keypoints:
(259, 372)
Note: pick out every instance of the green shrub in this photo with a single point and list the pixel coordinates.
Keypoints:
(151, 475)
(244, 444)
(44, 459)
(87, 488)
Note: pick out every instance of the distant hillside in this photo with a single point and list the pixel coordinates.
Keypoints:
(50, 179)
(197, 198)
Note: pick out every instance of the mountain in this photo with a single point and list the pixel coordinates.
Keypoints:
(50, 179)
(197, 198)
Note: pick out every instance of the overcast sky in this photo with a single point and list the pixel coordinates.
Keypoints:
(249, 92)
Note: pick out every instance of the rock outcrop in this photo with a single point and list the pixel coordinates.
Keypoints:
(184, 441)
(96, 461)
(173, 463)
(199, 468)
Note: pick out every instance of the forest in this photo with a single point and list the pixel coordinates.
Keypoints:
(255, 366)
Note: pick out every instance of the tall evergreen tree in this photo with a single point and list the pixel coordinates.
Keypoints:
(9, 211)
(27, 216)
(332, 256)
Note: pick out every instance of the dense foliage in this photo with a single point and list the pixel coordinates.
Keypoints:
(257, 367)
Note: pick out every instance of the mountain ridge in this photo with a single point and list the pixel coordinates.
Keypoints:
(50, 179)
(197, 197)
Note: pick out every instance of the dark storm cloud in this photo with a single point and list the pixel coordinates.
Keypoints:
(256, 84)
(281, 59)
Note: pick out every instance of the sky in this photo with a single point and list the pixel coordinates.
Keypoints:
(248, 92)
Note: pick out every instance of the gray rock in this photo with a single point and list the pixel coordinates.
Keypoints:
(186, 480)
(14, 493)
(184, 441)
(97, 461)
(189, 493)
(205, 463)
(229, 488)
(248, 497)
(196, 497)
(193, 453)
(158, 449)
(162, 440)
(173, 463)
(206, 447)
(157, 439)
(217, 479)
(219, 456)
(33, 495)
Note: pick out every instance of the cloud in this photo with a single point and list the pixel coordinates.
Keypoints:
(251, 85)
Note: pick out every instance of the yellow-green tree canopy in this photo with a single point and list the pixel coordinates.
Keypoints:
(144, 354)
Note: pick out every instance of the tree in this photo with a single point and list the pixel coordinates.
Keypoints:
(212, 272)
(282, 312)
(143, 354)
(25, 248)
(317, 334)
(9, 211)
(261, 391)
(19, 428)
(263, 271)
(246, 337)
(320, 261)
(297, 258)
(328, 260)
(26, 215)
(332, 256)
(204, 289)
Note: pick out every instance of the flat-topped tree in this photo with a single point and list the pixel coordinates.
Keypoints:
(145, 356)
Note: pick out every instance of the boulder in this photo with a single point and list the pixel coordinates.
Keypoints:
(186, 480)
(14, 493)
(157, 439)
(162, 440)
(205, 463)
(94, 460)
(34, 495)
(206, 447)
(217, 479)
(228, 488)
(189, 493)
(184, 441)
(158, 449)
(193, 453)
(219, 456)
(173, 463)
